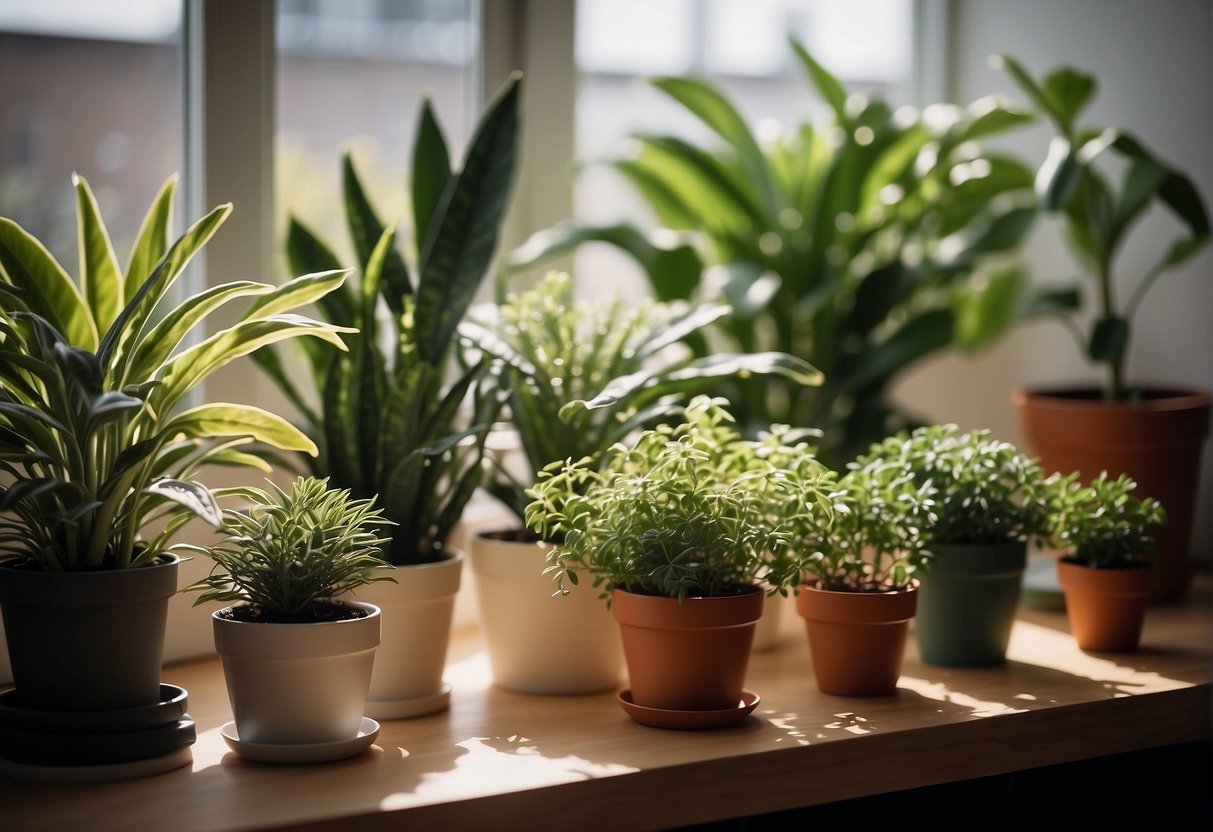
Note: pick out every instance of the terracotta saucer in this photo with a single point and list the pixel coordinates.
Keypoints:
(688, 720)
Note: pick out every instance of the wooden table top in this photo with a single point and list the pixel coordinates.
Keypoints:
(505, 760)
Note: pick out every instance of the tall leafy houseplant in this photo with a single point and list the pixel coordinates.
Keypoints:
(1150, 430)
(101, 453)
(862, 244)
(396, 416)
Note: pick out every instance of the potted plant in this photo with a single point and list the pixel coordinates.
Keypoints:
(101, 455)
(1153, 431)
(860, 590)
(393, 414)
(863, 242)
(989, 501)
(577, 377)
(297, 656)
(681, 545)
(1108, 554)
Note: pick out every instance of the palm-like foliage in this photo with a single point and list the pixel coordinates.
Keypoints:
(861, 245)
(580, 377)
(93, 441)
(386, 414)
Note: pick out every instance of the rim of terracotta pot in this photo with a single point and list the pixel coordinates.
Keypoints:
(1072, 397)
(695, 612)
(1127, 580)
(815, 603)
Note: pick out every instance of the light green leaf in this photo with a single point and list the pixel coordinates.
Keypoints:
(100, 277)
(45, 288)
(152, 240)
(224, 419)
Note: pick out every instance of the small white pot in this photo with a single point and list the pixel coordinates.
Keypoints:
(295, 684)
(417, 615)
(537, 642)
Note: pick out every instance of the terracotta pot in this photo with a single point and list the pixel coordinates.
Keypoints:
(299, 683)
(857, 639)
(417, 612)
(689, 656)
(87, 641)
(538, 642)
(1157, 442)
(967, 603)
(1106, 607)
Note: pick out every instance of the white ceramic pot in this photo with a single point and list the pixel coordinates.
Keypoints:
(417, 615)
(537, 642)
(292, 684)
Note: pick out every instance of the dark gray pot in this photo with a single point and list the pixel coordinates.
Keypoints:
(967, 603)
(87, 641)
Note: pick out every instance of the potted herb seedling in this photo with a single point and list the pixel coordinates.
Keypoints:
(1107, 564)
(394, 415)
(296, 655)
(989, 503)
(101, 452)
(1151, 430)
(860, 590)
(681, 547)
(578, 377)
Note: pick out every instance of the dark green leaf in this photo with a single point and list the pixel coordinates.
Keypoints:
(1069, 91)
(431, 171)
(1109, 337)
(366, 231)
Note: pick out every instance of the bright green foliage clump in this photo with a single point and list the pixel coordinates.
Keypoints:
(1101, 524)
(685, 510)
(986, 491)
(291, 551)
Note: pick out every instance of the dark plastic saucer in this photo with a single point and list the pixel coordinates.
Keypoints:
(34, 747)
(15, 714)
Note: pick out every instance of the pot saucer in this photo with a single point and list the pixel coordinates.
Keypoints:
(319, 752)
(404, 708)
(81, 748)
(16, 713)
(688, 720)
(97, 773)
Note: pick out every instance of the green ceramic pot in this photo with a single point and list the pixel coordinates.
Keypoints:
(967, 603)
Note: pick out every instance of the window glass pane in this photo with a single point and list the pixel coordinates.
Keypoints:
(351, 76)
(740, 45)
(89, 88)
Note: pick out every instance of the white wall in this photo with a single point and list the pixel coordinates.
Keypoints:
(1152, 61)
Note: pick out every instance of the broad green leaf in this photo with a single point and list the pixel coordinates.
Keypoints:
(1141, 183)
(152, 241)
(431, 171)
(711, 107)
(308, 254)
(1052, 300)
(1058, 175)
(699, 183)
(918, 337)
(673, 331)
(100, 277)
(1032, 89)
(984, 311)
(45, 288)
(893, 162)
(668, 207)
(1069, 91)
(992, 115)
(223, 419)
(828, 87)
(468, 219)
(749, 289)
(1109, 337)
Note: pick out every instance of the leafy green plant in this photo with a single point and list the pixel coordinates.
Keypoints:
(878, 539)
(687, 509)
(580, 377)
(94, 443)
(985, 490)
(1073, 181)
(863, 245)
(1102, 524)
(292, 553)
(388, 419)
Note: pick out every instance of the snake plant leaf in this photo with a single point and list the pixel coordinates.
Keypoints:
(152, 241)
(403, 409)
(467, 221)
(100, 278)
(339, 457)
(714, 110)
(193, 496)
(308, 254)
(366, 231)
(44, 287)
(1109, 337)
(431, 171)
(225, 419)
(369, 363)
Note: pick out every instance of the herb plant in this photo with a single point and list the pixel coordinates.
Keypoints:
(985, 490)
(95, 444)
(393, 415)
(292, 553)
(1072, 181)
(581, 376)
(1102, 524)
(684, 510)
(877, 540)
